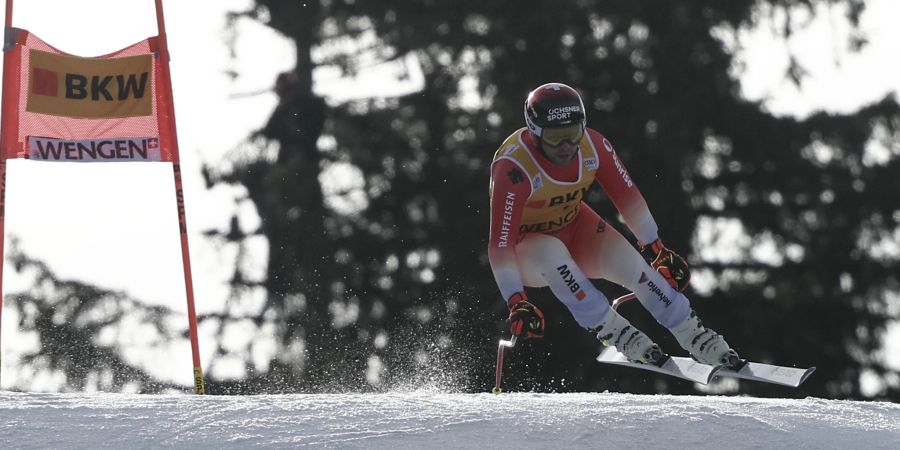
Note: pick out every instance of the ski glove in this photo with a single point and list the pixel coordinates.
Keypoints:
(525, 319)
(668, 263)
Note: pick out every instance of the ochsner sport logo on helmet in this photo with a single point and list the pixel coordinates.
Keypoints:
(562, 112)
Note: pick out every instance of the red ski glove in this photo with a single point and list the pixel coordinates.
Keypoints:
(668, 263)
(525, 319)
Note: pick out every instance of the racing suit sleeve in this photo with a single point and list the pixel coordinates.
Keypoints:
(510, 188)
(615, 180)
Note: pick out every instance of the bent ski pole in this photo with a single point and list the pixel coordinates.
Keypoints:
(500, 346)
(503, 344)
(618, 302)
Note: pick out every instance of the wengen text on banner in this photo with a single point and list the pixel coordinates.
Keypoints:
(94, 150)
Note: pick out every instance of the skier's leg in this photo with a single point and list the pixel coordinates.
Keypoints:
(545, 261)
(604, 253)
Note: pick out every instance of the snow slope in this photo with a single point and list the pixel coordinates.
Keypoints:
(425, 419)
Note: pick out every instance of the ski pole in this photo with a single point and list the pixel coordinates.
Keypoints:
(512, 343)
(500, 346)
(618, 302)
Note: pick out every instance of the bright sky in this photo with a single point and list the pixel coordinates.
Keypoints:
(839, 81)
(115, 224)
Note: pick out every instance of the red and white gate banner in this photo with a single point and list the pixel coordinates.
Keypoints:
(115, 107)
(61, 107)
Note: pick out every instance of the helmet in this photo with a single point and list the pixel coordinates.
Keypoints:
(556, 107)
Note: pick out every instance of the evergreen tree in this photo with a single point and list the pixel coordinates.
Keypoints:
(387, 283)
(412, 263)
(86, 336)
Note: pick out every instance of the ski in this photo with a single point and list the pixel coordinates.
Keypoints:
(691, 370)
(680, 367)
(766, 373)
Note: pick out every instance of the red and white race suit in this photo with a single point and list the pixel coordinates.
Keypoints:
(543, 234)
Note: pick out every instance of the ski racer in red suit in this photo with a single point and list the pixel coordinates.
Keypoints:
(543, 234)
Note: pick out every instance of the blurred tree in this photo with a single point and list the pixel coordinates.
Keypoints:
(394, 282)
(373, 210)
(86, 337)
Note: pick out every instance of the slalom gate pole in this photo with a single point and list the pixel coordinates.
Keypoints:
(199, 385)
(2, 249)
(7, 30)
(500, 346)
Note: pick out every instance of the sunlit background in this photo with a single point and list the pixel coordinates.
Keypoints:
(114, 224)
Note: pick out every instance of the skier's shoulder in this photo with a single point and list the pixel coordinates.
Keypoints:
(598, 140)
(512, 147)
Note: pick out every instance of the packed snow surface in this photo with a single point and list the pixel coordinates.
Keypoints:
(422, 419)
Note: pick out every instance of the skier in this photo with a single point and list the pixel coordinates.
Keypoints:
(543, 234)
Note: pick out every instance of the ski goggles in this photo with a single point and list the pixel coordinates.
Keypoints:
(556, 136)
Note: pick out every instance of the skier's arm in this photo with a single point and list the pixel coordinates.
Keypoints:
(510, 188)
(620, 188)
(614, 179)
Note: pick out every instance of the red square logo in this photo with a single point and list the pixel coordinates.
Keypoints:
(45, 82)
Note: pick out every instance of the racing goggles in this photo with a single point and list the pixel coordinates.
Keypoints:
(569, 133)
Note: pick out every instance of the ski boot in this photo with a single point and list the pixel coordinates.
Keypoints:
(628, 340)
(705, 345)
